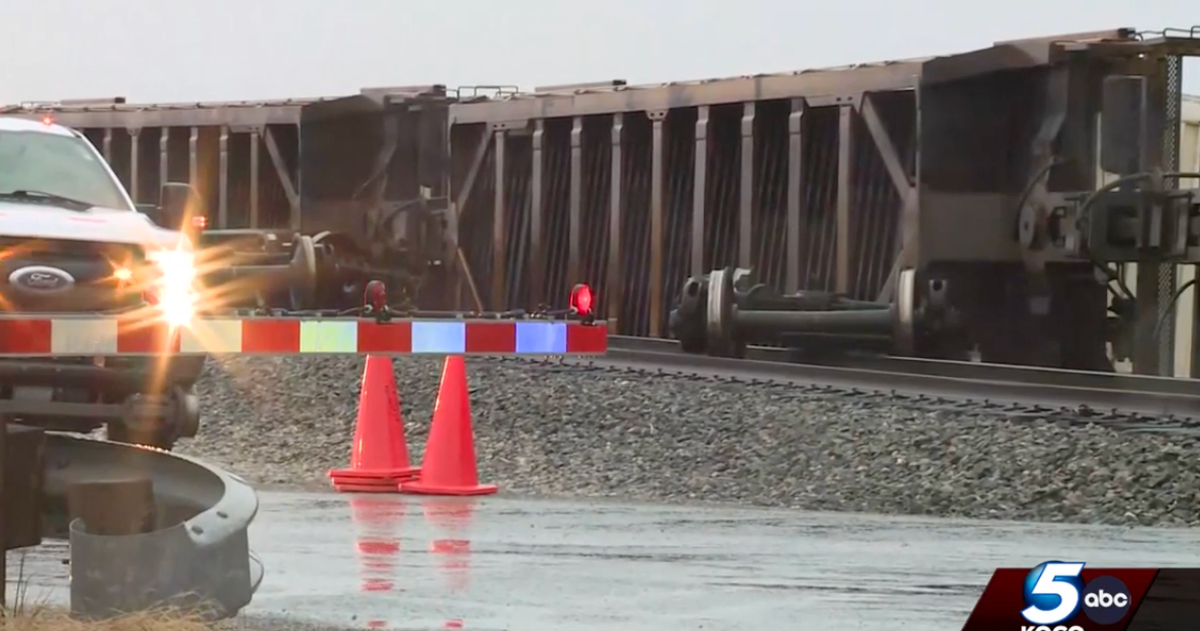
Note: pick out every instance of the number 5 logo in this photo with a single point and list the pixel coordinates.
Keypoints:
(1052, 592)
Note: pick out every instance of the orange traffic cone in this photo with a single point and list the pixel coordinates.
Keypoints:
(379, 455)
(449, 466)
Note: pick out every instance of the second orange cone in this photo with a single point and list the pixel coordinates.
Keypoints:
(449, 466)
(379, 455)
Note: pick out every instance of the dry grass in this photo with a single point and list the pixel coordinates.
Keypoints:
(56, 619)
(24, 615)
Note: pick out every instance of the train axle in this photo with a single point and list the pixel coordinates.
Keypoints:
(721, 312)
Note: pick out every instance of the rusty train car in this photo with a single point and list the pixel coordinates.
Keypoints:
(937, 207)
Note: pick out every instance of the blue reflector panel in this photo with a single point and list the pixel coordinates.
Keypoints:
(542, 338)
(440, 338)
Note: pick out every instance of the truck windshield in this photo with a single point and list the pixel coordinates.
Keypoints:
(51, 164)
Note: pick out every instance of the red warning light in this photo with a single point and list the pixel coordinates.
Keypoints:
(582, 299)
(200, 222)
(47, 120)
(375, 296)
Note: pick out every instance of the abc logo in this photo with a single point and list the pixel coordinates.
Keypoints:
(1054, 593)
(1105, 600)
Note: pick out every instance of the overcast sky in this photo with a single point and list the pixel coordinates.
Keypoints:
(188, 50)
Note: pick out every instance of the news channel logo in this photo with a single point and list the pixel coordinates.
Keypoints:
(1055, 592)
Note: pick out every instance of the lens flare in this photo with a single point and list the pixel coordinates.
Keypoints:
(177, 308)
(174, 291)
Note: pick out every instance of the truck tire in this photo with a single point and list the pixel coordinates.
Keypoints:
(183, 420)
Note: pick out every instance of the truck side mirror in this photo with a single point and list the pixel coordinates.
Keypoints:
(177, 201)
(1124, 126)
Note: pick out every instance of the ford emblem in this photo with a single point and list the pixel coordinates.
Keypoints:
(41, 279)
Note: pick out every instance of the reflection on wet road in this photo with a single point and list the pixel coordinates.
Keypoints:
(390, 562)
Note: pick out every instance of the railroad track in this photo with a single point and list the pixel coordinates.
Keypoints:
(1158, 403)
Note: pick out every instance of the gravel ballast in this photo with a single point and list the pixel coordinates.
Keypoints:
(546, 428)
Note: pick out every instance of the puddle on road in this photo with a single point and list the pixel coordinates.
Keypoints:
(391, 562)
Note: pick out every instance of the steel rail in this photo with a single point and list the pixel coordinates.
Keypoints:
(1084, 391)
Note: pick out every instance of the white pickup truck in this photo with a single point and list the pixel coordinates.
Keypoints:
(72, 241)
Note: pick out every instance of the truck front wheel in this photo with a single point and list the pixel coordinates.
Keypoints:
(181, 419)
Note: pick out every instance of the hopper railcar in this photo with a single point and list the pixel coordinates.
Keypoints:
(956, 206)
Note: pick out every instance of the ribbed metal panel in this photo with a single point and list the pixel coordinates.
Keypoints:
(724, 169)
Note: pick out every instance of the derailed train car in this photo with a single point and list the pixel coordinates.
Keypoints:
(941, 207)
(315, 195)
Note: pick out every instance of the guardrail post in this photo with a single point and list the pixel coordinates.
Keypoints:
(22, 460)
(3, 506)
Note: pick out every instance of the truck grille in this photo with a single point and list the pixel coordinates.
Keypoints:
(91, 265)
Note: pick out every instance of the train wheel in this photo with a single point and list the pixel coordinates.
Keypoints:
(302, 281)
(904, 336)
(1081, 315)
(340, 284)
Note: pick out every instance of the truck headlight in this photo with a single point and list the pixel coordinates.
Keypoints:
(174, 289)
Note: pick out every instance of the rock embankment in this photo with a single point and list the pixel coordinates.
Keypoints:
(546, 428)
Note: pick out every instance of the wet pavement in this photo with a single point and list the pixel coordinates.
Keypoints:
(392, 562)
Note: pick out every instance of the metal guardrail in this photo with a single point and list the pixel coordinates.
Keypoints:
(203, 560)
(1082, 390)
